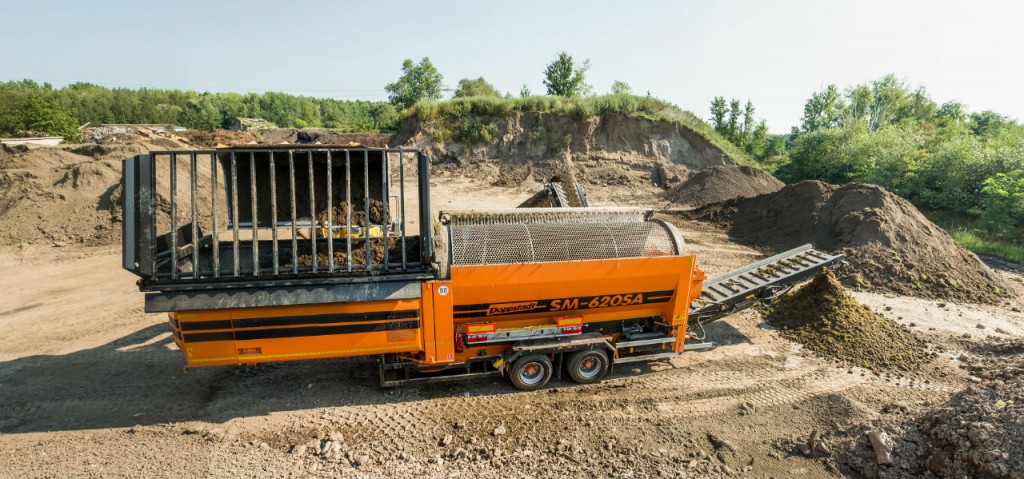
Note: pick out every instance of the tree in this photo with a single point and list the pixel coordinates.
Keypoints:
(732, 128)
(860, 98)
(748, 122)
(824, 109)
(475, 87)
(418, 82)
(950, 113)
(1002, 203)
(888, 94)
(564, 77)
(718, 112)
(621, 88)
(525, 91)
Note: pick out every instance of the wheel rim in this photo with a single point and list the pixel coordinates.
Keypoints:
(531, 373)
(589, 367)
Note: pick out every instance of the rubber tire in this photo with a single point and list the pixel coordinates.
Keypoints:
(575, 360)
(518, 366)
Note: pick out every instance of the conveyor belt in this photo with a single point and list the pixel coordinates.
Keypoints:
(760, 282)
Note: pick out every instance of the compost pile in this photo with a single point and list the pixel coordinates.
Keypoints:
(890, 245)
(828, 321)
(723, 183)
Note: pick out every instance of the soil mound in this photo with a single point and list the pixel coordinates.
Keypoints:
(69, 193)
(312, 136)
(890, 245)
(220, 138)
(724, 183)
(828, 321)
(979, 433)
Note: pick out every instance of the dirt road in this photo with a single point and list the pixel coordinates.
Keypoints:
(90, 386)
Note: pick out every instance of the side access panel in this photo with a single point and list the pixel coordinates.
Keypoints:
(254, 335)
(441, 347)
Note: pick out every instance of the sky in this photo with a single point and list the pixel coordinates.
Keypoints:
(774, 53)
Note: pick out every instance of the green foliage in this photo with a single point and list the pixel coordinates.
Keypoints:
(563, 77)
(418, 82)
(977, 243)
(28, 109)
(84, 102)
(475, 131)
(1002, 204)
(477, 87)
(741, 128)
(621, 88)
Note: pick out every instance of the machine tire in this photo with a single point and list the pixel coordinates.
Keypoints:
(587, 367)
(530, 373)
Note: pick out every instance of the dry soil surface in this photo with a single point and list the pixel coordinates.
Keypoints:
(90, 386)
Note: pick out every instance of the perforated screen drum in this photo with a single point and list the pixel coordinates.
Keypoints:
(506, 243)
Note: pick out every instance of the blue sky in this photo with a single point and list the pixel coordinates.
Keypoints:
(774, 53)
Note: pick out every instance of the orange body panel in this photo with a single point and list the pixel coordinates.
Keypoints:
(512, 297)
(284, 333)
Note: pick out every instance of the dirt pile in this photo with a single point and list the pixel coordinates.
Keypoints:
(377, 249)
(890, 245)
(978, 433)
(220, 138)
(314, 136)
(828, 321)
(723, 183)
(124, 134)
(62, 195)
(339, 215)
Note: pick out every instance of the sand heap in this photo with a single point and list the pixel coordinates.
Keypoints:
(890, 245)
(61, 195)
(723, 183)
(828, 321)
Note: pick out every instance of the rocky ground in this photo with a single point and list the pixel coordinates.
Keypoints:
(92, 387)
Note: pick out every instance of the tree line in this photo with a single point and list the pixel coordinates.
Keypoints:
(27, 107)
(943, 158)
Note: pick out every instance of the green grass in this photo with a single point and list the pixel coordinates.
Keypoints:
(978, 244)
(445, 116)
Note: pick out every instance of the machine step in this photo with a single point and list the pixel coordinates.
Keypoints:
(645, 357)
(644, 342)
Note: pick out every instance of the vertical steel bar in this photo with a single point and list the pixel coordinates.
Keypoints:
(273, 212)
(291, 189)
(234, 215)
(174, 216)
(423, 181)
(330, 214)
(366, 206)
(401, 204)
(312, 209)
(348, 208)
(213, 215)
(255, 215)
(195, 216)
(386, 204)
